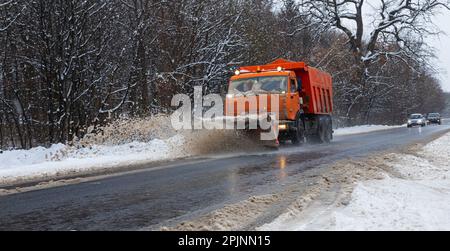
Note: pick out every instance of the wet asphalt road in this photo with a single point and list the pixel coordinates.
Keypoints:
(150, 196)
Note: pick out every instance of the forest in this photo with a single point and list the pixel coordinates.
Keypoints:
(70, 65)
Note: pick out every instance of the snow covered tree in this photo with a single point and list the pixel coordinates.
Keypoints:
(68, 65)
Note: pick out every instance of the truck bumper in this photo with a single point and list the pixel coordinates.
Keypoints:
(249, 122)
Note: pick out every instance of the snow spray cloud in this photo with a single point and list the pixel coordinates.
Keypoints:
(242, 112)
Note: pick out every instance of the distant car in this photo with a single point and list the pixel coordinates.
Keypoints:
(417, 120)
(434, 118)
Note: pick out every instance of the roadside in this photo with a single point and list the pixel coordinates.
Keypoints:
(412, 192)
(408, 189)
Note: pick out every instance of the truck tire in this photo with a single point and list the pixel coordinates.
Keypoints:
(297, 137)
(318, 136)
(328, 132)
(324, 132)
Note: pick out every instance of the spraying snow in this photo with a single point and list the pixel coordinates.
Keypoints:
(122, 143)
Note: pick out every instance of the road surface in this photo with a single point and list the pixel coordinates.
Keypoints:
(184, 189)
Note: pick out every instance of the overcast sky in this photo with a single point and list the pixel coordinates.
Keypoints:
(442, 45)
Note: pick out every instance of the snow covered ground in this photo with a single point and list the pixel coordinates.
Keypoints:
(418, 199)
(60, 159)
(363, 129)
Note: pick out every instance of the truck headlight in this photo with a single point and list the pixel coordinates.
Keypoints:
(282, 127)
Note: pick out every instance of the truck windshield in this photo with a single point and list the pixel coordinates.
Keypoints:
(258, 85)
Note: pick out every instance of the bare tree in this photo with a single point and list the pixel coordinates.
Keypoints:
(12, 10)
(399, 27)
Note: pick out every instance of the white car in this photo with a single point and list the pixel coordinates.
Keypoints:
(417, 120)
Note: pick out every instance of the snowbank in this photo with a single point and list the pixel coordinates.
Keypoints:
(397, 204)
(362, 129)
(417, 199)
(61, 159)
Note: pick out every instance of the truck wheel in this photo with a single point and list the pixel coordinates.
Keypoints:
(328, 133)
(297, 135)
(326, 130)
(294, 139)
(321, 133)
(319, 137)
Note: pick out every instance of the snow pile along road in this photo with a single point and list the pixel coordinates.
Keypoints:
(362, 129)
(59, 160)
(420, 200)
(414, 195)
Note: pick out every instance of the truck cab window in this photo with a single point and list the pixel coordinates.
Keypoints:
(259, 85)
(293, 86)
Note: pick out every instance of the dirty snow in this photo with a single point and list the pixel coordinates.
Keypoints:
(416, 198)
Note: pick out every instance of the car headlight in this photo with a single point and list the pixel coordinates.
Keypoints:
(409, 121)
(419, 121)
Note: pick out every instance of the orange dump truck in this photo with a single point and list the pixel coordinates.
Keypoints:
(305, 97)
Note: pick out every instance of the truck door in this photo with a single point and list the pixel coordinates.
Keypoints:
(292, 99)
